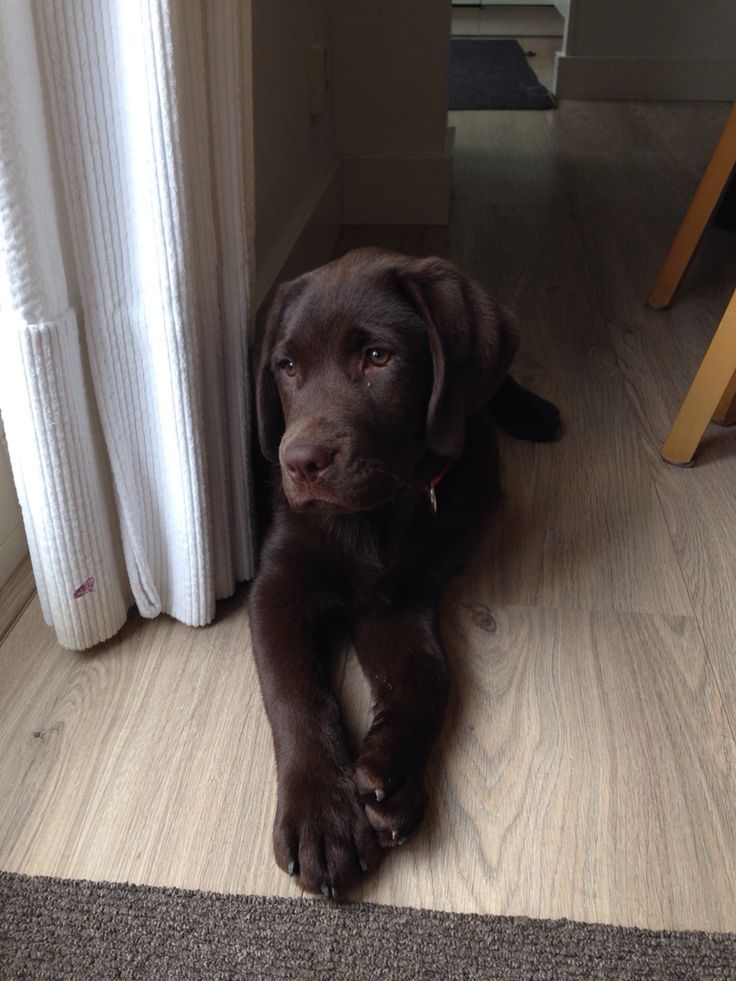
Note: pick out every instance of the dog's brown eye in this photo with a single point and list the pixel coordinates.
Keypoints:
(378, 357)
(288, 367)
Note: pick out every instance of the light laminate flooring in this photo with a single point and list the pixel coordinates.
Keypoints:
(588, 765)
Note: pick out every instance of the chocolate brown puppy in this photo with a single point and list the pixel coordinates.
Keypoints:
(379, 381)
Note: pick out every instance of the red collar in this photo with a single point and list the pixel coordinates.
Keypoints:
(432, 484)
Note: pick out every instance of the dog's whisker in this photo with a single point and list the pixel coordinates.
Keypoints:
(388, 473)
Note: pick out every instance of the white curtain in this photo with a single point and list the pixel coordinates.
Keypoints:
(124, 303)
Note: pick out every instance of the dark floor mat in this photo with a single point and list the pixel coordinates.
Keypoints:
(58, 928)
(493, 75)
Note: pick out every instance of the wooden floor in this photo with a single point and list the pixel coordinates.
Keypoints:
(588, 767)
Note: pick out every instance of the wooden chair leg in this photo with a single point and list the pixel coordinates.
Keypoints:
(725, 414)
(707, 392)
(702, 206)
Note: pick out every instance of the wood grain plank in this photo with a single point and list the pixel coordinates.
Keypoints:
(587, 765)
(147, 760)
(657, 352)
(628, 195)
(582, 526)
(587, 770)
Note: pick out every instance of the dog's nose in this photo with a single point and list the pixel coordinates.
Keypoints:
(305, 463)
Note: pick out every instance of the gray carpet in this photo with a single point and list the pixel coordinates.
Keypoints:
(57, 928)
(491, 74)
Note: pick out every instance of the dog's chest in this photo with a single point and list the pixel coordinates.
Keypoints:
(380, 556)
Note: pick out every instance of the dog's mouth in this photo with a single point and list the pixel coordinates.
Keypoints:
(369, 485)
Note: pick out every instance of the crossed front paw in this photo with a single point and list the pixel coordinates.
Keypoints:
(389, 775)
(322, 834)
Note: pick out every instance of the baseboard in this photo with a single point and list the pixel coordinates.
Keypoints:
(15, 595)
(12, 551)
(13, 545)
(646, 79)
(398, 190)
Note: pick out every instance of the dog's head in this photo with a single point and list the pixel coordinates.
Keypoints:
(368, 370)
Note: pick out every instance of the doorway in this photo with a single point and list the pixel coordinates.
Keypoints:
(539, 28)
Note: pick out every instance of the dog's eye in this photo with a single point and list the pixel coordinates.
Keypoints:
(288, 367)
(378, 357)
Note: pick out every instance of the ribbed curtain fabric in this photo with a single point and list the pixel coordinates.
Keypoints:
(124, 304)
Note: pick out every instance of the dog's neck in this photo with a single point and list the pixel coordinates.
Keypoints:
(379, 534)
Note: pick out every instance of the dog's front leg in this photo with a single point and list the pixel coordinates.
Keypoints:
(321, 833)
(402, 658)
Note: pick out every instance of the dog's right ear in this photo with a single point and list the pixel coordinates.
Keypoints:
(268, 402)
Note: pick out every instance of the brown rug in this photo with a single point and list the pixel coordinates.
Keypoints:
(58, 928)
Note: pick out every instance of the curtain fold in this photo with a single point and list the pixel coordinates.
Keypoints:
(134, 484)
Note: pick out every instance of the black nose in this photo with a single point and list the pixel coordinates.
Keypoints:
(305, 463)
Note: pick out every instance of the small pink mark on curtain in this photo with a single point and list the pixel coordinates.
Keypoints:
(87, 586)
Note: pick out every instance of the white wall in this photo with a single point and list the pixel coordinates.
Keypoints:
(654, 28)
(390, 90)
(380, 151)
(391, 64)
(649, 49)
(294, 153)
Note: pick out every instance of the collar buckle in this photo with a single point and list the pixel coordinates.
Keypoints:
(431, 492)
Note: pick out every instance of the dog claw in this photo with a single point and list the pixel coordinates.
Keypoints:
(380, 794)
(292, 868)
(325, 890)
(395, 836)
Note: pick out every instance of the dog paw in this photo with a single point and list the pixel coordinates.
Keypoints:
(391, 786)
(322, 835)
(542, 422)
(524, 414)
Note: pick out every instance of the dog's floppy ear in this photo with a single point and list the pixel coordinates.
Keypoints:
(268, 402)
(472, 340)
